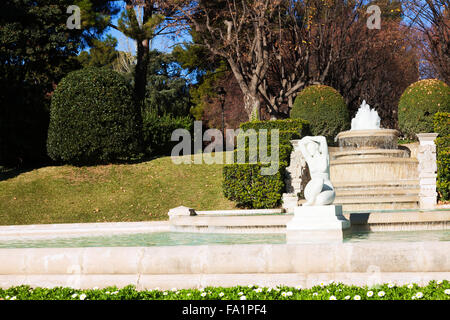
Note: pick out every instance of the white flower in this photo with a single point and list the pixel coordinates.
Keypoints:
(221, 294)
(95, 288)
(177, 292)
(258, 290)
(240, 293)
(82, 296)
(270, 289)
(173, 289)
(289, 293)
(201, 289)
(250, 286)
(322, 284)
(283, 294)
(315, 294)
(439, 282)
(356, 297)
(107, 292)
(332, 298)
(298, 287)
(419, 295)
(188, 294)
(13, 298)
(410, 286)
(243, 298)
(74, 295)
(369, 293)
(447, 291)
(203, 294)
(391, 285)
(381, 294)
(347, 297)
(165, 293)
(115, 292)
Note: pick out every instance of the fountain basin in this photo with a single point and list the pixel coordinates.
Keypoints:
(368, 139)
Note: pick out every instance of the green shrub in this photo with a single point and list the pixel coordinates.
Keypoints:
(93, 119)
(157, 132)
(299, 125)
(442, 126)
(418, 104)
(244, 183)
(325, 110)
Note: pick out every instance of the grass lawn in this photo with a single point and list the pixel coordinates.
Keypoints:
(109, 193)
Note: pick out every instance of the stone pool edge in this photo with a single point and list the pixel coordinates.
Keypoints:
(213, 265)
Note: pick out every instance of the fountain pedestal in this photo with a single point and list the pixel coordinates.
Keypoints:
(317, 224)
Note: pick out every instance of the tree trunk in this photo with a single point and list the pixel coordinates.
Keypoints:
(252, 105)
(140, 76)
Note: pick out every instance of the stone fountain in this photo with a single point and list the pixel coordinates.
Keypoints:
(370, 170)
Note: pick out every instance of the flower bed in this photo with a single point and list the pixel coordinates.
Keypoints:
(435, 290)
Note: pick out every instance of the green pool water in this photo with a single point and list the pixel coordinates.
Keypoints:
(186, 238)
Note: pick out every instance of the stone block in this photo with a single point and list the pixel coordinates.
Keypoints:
(181, 211)
(317, 224)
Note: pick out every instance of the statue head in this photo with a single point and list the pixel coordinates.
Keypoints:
(312, 147)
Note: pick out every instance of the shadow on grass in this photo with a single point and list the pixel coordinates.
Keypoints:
(9, 173)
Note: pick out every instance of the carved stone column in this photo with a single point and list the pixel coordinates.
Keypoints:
(295, 178)
(427, 170)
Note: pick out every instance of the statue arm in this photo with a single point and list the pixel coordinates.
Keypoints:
(302, 146)
(322, 143)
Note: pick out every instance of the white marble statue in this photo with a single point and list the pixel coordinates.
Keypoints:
(319, 191)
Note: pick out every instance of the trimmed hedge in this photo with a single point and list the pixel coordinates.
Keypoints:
(157, 132)
(93, 119)
(298, 125)
(325, 110)
(418, 104)
(442, 126)
(244, 183)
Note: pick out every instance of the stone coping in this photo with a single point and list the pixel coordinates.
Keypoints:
(367, 133)
(251, 223)
(81, 229)
(194, 266)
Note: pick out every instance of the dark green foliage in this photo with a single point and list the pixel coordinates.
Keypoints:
(419, 103)
(157, 132)
(325, 110)
(35, 52)
(299, 125)
(244, 183)
(167, 90)
(103, 53)
(93, 119)
(442, 126)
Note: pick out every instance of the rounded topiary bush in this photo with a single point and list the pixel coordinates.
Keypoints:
(325, 110)
(418, 104)
(93, 119)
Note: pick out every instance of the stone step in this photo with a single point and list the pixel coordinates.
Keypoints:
(377, 199)
(377, 192)
(406, 184)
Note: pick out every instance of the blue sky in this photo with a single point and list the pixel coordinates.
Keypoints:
(160, 43)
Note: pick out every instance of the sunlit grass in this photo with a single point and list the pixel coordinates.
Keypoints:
(111, 193)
